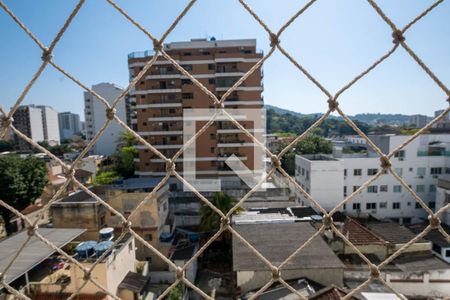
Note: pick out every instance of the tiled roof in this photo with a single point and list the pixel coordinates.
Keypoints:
(49, 296)
(434, 235)
(276, 242)
(31, 208)
(329, 293)
(357, 234)
(392, 232)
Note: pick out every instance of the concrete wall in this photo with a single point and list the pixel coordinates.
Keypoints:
(109, 273)
(76, 215)
(434, 283)
(251, 280)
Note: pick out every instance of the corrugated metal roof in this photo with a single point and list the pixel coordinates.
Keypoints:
(35, 250)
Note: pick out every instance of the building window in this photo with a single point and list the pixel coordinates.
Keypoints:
(447, 170)
(357, 172)
(187, 67)
(371, 172)
(420, 188)
(432, 188)
(345, 191)
(383, 204)
(447, 253)
(421, 172)
(400, 153)
(435, 171)
(397, 188)
(212, 81)
(307, 175)
(345, 172)
(356, 206)
(212, 149)
(437, 248)
(187, 53)
(186, 81)
(411, 169)
(396, 205)
(211, 66)
(372, 189)
(371, 205)
(399, 171)
(418, 205)
(432, 204)
(148, 237)
(187, 95)
(355, 187)
(383, 188)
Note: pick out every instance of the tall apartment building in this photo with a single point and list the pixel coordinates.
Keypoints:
(418, 121)
(330, 179)
(95, 117)
(69, 124)
(163, 93)
(28, 120)
(50, 124)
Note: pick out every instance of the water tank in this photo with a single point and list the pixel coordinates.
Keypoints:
(101, 247)
(106, 234)
(85, 249)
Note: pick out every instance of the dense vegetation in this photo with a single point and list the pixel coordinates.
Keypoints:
(22, 181)
(312, 144)
(277, 122)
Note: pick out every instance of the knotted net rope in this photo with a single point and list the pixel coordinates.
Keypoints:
(399, 40)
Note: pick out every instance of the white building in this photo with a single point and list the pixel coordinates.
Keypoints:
(28, 120)
(329, 180)
(443, 198)
(418, 121)
(95, 117)
(50, 124)
(69, 124)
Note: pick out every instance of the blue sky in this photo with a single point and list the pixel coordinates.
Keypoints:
(334, 40)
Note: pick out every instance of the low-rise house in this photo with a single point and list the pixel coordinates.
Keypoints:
(116, 273)
(83, 176)
(396, 236)
(81, 210)
(440, 245)
(151, 218)
(276, 242)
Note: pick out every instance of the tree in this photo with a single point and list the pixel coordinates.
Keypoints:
(209, 219)
(312, 144)
(22, 182)
(126, 152)
(176, 293)
(6, 146)
(125, 165)
(126, 139)
(105, 177)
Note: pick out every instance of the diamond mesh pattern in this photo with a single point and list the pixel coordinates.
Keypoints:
(399, 40)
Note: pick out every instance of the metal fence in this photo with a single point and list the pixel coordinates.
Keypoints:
(398, 39)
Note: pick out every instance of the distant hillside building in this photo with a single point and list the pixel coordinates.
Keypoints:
(95, 116)
(443, 123)
(50, 124)
(69, 124)
(418, 121)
